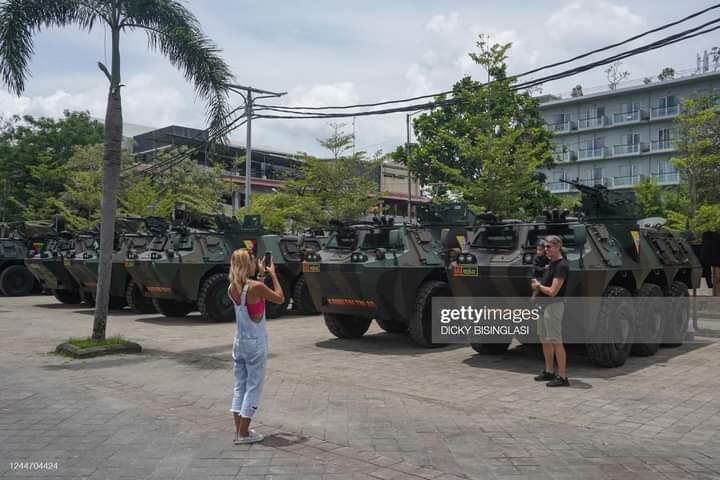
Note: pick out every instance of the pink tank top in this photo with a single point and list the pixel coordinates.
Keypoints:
(254, 309)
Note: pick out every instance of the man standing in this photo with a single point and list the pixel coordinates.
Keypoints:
(552, 285)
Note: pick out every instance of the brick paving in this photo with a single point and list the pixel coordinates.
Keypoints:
(373, 408)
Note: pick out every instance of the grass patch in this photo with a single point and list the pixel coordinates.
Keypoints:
(89, 342)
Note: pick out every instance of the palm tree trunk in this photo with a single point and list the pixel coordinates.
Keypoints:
(110, 183)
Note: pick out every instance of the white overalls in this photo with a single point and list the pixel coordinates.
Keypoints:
(250, 355)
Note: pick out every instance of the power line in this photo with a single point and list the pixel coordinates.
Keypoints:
(529, 72)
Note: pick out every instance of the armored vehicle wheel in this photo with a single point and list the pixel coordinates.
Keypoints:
(172, 308)
(675, 330)
(302, 300)
(213, 302)
(420, 325)
(346, 326)
(615, 325)
(16, 281)
(649, 321)
(138, 302)
(68, 297)
(490, 348)
(88, 298)
(117, 303)
(392, 326)
(274, 310)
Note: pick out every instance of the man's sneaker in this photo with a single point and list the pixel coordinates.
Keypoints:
(558, 382)
(545, 376)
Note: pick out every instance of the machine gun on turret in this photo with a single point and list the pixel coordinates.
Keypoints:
(600, 203)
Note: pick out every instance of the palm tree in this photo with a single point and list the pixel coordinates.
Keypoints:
(171, 29)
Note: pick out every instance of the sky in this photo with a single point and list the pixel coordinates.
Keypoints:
(326, 52)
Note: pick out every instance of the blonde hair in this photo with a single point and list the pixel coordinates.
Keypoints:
(240, 265)
(554, 239)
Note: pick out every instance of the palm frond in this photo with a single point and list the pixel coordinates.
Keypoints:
(175, 32)
(21, 19)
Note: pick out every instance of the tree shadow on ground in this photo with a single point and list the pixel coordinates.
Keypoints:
(382, 344)
(283, 439)
(529, 359)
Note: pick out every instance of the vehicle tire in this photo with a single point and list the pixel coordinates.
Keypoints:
(173, 308)
(117, 303)
(649, 326)
(392, 326)
(213, 301)
(16, 281)
(490, 348)
(138, 302)
(68, 297)
(346, 326)
(616, 316)
(302, 300)
(274, 310)
(420, 325)
(675, 330)
(88, 298)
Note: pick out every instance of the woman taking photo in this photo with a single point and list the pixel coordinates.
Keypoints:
(250, 346)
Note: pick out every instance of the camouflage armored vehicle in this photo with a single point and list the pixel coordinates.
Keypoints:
(128, 240)
(611, 257)
(186, 269)
(18, 241)
(386, 272)
(288, 252)
(48, 265)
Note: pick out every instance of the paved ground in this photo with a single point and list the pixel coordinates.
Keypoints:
(373, 408)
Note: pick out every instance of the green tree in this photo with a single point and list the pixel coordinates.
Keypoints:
(485, 145)
(649, 198)
(171, 29)
(34, 153)
(699, 159)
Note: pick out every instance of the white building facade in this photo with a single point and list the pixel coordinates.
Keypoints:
(618, 137)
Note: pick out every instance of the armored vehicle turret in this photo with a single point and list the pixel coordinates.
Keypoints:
(611, 256)
(48, 265)
(18, 241)
(387, 272)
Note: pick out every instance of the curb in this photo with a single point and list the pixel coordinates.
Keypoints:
(77, 352)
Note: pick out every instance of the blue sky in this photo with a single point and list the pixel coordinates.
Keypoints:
(322, 52)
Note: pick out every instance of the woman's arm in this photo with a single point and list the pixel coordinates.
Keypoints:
(276, 295)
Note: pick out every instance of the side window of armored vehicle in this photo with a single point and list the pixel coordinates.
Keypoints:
(138, 243)
(565, 233)
(158, 243)
(342, 241)
(500, 237)
(290, 249)
(184, 242)
(376, 239)
(311, 245)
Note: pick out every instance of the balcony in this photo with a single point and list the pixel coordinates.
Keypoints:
(664, 145)
(557, 187)
(665, 112)
(629, 117)
(591, 182)
(564, 157)
(591, 153)
(562, 127)
(594, 122)
(629, 149)
(666, 178)
(626, 181)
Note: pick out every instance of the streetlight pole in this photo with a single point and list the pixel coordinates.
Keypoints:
(407, 155)
(247, 94)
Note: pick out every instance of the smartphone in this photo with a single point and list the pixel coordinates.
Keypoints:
(268, 258)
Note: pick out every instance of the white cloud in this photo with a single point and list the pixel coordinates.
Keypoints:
(591, 22)
(324, 94)
(443, 23)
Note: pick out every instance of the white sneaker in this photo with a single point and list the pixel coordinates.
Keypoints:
(252, 437)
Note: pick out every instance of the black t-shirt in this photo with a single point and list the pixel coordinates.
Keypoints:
(539, 264)
(557, 269)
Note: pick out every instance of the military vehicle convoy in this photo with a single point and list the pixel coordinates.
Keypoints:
(387, 272)
(48, 265)
(610, 255)
(17, 241)
(128, 240)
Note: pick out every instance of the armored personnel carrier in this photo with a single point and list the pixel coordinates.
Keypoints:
(48, 265)
(186, 268)
(611, 256)
(386, 272)
(288, 252)
(128, 238)
(18, 241)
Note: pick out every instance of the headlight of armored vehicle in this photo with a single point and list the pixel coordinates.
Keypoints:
(312, 257)
(528, 258)
(358, 257)
(466, 258)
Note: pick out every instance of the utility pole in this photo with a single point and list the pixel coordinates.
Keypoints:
(247, 94)
(407, 153)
